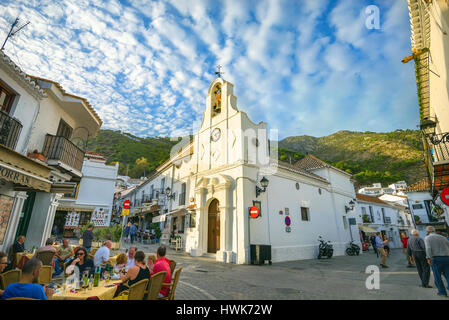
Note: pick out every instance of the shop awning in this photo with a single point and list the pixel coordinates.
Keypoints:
(367, 229)
(75, 209)
(158, 219)
(23, 171)
(63, 187)
(177, 213)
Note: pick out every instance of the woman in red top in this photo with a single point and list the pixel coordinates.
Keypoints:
(404, 240)
(161, 264)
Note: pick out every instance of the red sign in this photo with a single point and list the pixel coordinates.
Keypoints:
(126, 204)
(287, 221)
(445, 196)
(254, 212)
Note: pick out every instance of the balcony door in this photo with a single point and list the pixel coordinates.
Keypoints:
(64, 130)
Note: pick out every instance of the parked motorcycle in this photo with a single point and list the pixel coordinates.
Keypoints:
(353, 249)
(325, 249)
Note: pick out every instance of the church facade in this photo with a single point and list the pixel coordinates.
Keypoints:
(204, 192)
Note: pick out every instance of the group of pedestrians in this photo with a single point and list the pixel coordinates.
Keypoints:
(430, 253)
(130, 232)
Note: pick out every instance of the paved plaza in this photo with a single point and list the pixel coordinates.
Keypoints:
(340, 277)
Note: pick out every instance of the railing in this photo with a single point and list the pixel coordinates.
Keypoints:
(62, 149)
(9, 130)
(439, 152)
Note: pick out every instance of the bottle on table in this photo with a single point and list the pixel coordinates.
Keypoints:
(97, 277)
(91, 282)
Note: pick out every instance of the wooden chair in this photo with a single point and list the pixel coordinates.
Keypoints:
(8, 277)
(46, 257)
(172, 286)
(21, 298)
(45, 273)
(155, 285)
(172, 267)
(137, 290)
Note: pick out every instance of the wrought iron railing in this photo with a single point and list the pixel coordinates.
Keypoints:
(62, 149)
(438, 147)
(9, 130)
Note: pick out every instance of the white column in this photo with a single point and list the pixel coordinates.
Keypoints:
(14, 219)
(225, 252)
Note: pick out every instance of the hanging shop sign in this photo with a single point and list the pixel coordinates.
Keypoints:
(445, 196)
(254, 212)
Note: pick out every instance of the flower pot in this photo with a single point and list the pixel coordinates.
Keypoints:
(37, 156)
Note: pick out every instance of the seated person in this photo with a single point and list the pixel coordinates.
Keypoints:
(161, 264)
(48, 247)
(27, 287)
(131, 254)
(19, 245)
(3, 264)
(101, 257)
(120, 265)
(82, 262)
(63, 254)
(135, 273)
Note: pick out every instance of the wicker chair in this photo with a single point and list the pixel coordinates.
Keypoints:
(8, 277)
(45, 273)
(172, 286)
(172, 267)
(137, 290)
(46, 257)
(155, 285)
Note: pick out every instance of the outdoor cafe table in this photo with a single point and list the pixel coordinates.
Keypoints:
(22, 257)
(113, 260)
(102, 292)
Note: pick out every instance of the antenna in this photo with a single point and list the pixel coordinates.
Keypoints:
(13, 32)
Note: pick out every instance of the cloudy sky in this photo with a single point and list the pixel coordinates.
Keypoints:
(304, 67)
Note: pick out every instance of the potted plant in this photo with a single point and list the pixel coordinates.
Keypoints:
(366, 219)
(417, 220)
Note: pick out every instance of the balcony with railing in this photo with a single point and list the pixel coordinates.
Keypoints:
(437, 158)
(62, 152)
(9, 130)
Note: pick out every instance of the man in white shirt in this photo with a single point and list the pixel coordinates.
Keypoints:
(102, 254)
(131, 253)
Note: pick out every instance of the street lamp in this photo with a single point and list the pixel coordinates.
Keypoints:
(264, 183)
(168, 193)
(351, 206)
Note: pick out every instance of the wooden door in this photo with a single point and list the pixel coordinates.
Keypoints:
(213, 234)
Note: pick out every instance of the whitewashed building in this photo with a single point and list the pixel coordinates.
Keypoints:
(379, 216)
(39, 157)
(92, 200)
(204, 191)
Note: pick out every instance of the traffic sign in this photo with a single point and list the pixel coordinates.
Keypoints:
(445, 196)
(125, 212)
(287, 221)
(254, 212)
(126, 204)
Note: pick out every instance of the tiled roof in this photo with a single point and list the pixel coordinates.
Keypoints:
(89, 106)
(422, 185)
(21, 76)
(297, 169)
(363, 197)
(311, 162)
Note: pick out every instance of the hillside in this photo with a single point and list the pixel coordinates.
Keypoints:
(369, 156)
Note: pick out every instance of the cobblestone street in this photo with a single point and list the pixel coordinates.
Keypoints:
(341, 277)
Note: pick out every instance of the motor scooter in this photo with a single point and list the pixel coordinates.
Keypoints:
(325, 249)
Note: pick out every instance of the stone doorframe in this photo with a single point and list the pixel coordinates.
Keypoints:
(206, 190)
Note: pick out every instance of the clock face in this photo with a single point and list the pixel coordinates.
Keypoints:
(216, 133)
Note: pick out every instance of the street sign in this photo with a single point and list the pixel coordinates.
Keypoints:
(287, 221)
(126, 204)
(254, 212)
(445, 196)
(125, 212)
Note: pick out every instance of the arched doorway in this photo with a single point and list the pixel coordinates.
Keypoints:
(213, 232)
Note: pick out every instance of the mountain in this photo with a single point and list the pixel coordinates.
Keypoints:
(369, 156)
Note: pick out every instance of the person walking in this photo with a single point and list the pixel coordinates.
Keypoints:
(408, 257)
(386, 246)
(437, 254)
(126, 231)
(88, 237)
(380, 247)
(372, 239)
(133, 231)
(416, 250)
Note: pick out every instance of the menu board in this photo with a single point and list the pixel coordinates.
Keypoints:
(6, 204)
(72, 219)
(100, 217)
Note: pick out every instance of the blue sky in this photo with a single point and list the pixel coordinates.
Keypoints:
(305, 67)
